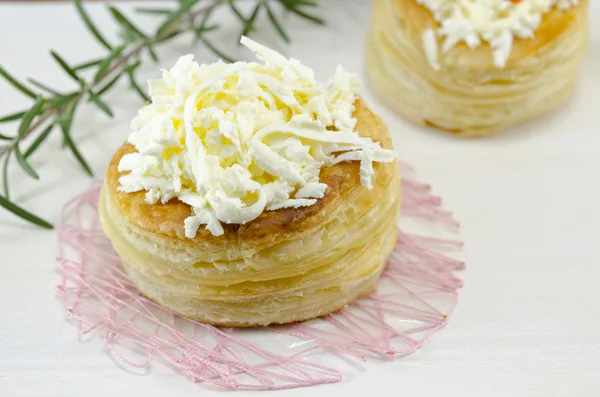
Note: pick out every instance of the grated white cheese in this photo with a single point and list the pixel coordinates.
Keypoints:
(431, 48)
(497, 22)
(234, 140)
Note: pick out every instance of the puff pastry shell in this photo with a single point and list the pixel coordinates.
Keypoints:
(286, 265)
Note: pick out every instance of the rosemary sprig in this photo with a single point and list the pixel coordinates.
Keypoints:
(52, 109)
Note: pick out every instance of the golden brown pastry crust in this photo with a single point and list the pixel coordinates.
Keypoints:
(554, 24)
(286, 265)
(469, 95)
(167, 219)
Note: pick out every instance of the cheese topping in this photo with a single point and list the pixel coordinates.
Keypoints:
(497, 22)
(234, 140)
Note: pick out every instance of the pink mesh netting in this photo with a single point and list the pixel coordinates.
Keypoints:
(412, 301)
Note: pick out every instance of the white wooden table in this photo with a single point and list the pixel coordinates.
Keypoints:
(528, 320)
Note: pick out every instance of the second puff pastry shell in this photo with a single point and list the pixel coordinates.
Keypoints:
(469, 95)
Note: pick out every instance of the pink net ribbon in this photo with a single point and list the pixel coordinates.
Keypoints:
(413, 299)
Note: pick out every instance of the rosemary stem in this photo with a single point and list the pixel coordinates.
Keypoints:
(34, 126)
(115, 67)
(53, 109)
